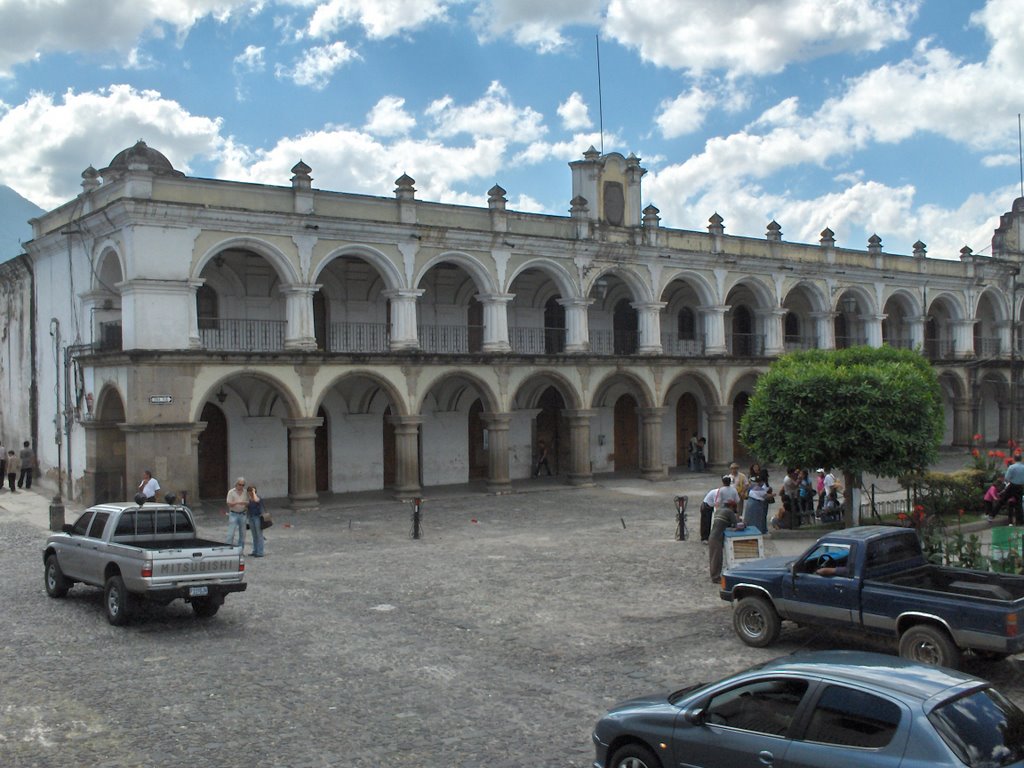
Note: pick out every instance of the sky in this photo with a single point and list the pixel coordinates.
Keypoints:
(891, 117)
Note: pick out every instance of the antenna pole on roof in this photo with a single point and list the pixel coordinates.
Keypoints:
(600, 100)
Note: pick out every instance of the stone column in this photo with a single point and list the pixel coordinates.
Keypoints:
(714, 329)
(649, 323)
(873, 328)
(407, 456)
(962, 422)
(496, 321)
(1005, 338)
(577, 326)
(772, 321)
(963, 338)
(917, 326)
(299, 307)
(403, 318)
(826, 329)
(302, 463)
(580, 472)
(651, 465)
(195, 341)
(498, 479)
(719, 448)
(193, 483)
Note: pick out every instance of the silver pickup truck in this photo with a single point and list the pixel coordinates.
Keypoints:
(142, 552)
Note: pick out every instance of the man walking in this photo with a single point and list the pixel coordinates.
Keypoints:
(28, 465)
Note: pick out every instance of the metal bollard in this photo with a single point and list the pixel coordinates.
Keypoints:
(416, 517)
(56, 514)
(681, 531)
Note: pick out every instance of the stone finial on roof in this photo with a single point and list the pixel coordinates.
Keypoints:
(404, 187)
(301, 179)
(920, 250)
(496, 198)
(874, 244)
(966, 253)
(578, 206)
(90, 179)
(716, 224)
(774, 232)
(591, 153)
(828, 238)
(651, 217)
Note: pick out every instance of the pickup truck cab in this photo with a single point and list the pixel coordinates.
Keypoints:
(876, 579)
(142, 552)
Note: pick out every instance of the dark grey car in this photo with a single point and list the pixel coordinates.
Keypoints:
(841, 709)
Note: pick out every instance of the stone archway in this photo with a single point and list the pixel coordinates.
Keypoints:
(627, 434)
(687, 427)
(107, 450)
(212, 452)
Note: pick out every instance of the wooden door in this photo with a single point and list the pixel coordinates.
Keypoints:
(627, 434)
(213, 454)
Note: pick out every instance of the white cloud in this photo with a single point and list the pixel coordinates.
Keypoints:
(389, 118)
(684, 114)
(491, 116)
(534, 23)
(574, 113)
(33, 28)
(90, 128)
(379, 18)
(251, 59)
(317, 65)
(754, 37)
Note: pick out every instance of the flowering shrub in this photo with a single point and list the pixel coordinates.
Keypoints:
(991, 462)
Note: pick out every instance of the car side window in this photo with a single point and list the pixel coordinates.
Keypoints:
(164, 521)
(82, 523)
(852, 718)
(125, 526)
(762, 706)
(182, 524)
(99, 522)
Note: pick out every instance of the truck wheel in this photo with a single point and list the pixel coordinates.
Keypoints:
(929, 645)
(117, 601)
(56, 584)
(205, 608)
(756, 622)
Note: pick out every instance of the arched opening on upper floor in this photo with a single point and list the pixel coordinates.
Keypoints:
(852, 309)
(940, 328)
(536, 314)
(745, 329)
(612, 317)
(351, 311)
(106, 468)
(240, 306)
(682, 323)
(246, 435)
(450, 310)
(900, 316)
(800, 324)
(989, 324)
(105, 300)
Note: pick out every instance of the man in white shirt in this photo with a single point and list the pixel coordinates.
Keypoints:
(149, 487)
(238, 507)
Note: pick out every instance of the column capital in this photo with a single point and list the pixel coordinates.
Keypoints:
(496, 420)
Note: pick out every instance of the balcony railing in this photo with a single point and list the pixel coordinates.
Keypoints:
(451, 339)
(671, 344)
(845, 342)
(110, 336)
(614, 342)
(537, 341)
(234, 335)
(800, 343)
(746, 344)
(987, 346)
(358, 337)
(939, 349)
(899, 342)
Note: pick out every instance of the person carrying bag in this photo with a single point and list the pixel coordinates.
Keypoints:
(255, 511)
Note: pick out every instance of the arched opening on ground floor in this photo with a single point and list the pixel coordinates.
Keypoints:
(109, 475)
(552, 431)
(212, 453)
(627, 434)
(687, 427)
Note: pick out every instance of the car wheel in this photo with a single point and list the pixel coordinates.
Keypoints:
(634, 756)
(117, 601)
(929, 645)
(756, 622)
(56, 584)
(204, 609)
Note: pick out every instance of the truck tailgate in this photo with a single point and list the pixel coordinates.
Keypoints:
(178, 567)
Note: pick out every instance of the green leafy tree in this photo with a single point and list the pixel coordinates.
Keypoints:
(861, 409)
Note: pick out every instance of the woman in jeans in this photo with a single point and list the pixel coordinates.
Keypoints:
(255, 513)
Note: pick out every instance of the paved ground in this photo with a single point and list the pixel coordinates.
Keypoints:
(495, 640)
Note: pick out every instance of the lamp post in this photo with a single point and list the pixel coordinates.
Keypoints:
(57, 505)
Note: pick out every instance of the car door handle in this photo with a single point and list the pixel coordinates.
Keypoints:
(766, 758)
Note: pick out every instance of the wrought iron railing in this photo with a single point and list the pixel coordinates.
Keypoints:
(746, 344)
(614, 342)
(236, 335)
(899, 342)
(671, 344)
(110, 336)
(537, 341)
(845, 342)
(939, 349)
(451, 339)
(798, 343)
(987, 346)
(358, 337)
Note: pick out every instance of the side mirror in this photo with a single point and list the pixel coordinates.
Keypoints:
(695, 716)
(67, 528)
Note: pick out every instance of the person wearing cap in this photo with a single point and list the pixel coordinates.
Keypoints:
(740, 483)
(819, 486)
(724, 516)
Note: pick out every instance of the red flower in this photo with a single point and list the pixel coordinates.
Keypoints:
(975, 453)
(977, 438)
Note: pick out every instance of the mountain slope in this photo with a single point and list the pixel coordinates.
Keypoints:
(15, 211)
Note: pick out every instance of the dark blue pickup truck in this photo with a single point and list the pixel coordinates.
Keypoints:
(876, 579)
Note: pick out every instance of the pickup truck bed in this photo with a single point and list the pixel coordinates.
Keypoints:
(958, 581)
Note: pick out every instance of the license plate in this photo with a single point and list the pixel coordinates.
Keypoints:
(198, 591)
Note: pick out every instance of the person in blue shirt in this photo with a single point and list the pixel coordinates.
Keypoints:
(1014, 476)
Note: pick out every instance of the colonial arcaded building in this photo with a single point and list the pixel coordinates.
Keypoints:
(323, 342)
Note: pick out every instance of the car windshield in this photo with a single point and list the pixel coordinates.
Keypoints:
(983, 728)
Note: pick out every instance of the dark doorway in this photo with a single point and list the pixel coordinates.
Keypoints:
(477, 447)
(686, 427)
(554, 327)
(321, 442)
(389, 450)
(551, 428)
(624, 323)
(627, 437)
(320, 320)
(110, 480)
(740, 454)
(475, 323)
(213, 453)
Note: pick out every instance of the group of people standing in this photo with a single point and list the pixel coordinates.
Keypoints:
(17, 468)
(245, 508)
(742, 501)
